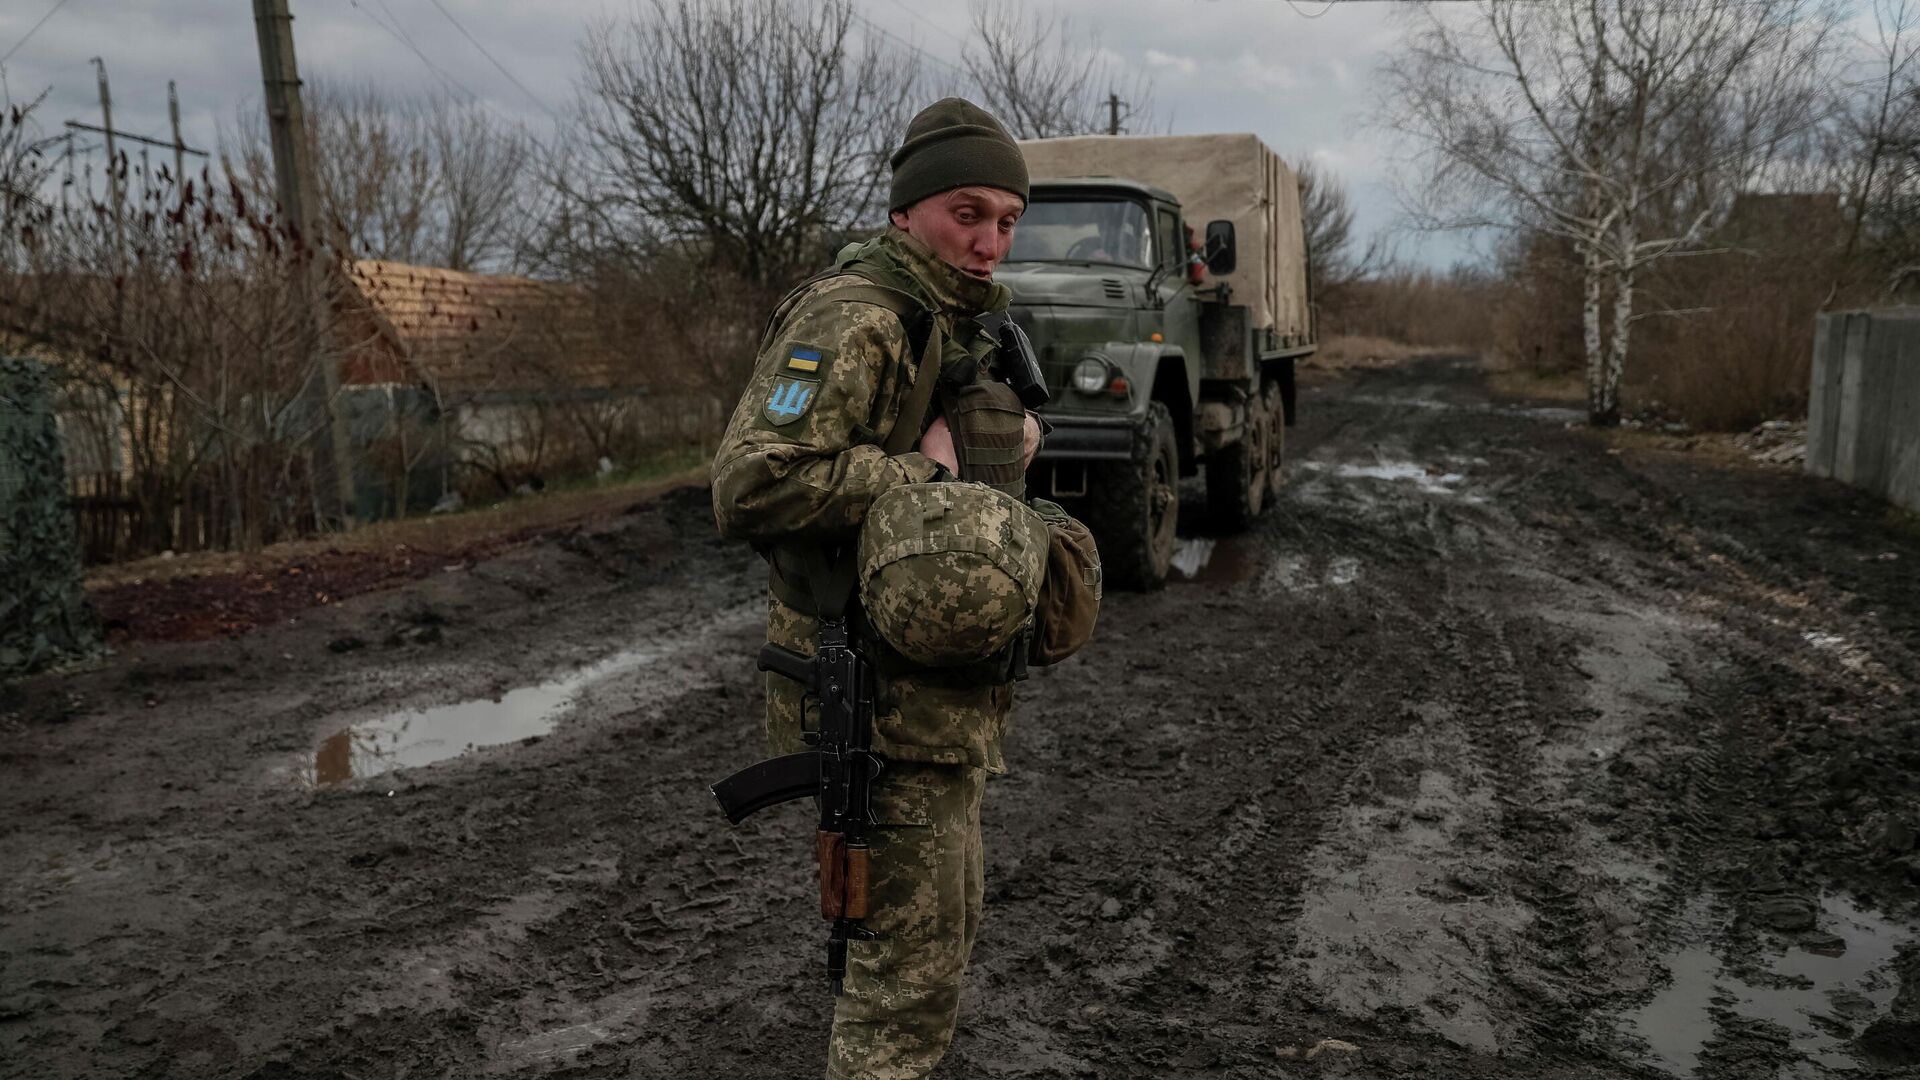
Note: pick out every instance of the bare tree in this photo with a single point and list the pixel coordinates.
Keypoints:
(427, 180)
(485, 170)
(746, 133)
(1044, 80)
(1874, 146)
(1326, 214)
(1622, 126)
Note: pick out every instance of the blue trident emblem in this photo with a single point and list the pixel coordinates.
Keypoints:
(790, 398)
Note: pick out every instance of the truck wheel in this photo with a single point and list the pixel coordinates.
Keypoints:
(1237, 475)
(1276, 440)
(1136, 506)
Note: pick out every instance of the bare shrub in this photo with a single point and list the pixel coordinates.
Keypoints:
(1536, 311)
(1418, 308)
(180, 325)
(1738, 342)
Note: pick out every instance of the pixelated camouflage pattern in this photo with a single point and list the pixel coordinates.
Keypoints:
(939, 732)
(950, 573)
(902, 996)
(927, 716)
(815, 478)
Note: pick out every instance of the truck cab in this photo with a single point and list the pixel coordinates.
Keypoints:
(1155, 373)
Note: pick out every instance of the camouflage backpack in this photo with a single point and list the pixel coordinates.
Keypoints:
(950, 573)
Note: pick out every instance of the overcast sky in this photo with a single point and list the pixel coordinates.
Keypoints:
(1264, 66)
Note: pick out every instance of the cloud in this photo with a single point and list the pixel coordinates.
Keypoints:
(1252, 71)
(1257, 67)
(1168, 62)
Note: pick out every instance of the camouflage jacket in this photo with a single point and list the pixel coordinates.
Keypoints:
(801, 460)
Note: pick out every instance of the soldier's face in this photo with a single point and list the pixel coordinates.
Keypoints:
(971, 227)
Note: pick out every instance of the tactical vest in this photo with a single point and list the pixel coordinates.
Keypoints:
(984, 414)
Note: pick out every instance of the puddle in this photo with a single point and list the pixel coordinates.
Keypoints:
(1202, 560)
(1432, 481)
(414, 737)
(1552, 414)
(1817, 997)
(1293, 573)
(1851, 656)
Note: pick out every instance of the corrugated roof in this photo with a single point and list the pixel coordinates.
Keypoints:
(483, 334)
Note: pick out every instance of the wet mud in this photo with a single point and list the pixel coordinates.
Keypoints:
(1501, 749)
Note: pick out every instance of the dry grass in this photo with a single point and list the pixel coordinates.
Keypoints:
(1350, 351)
(443, 533)
(1564, 387)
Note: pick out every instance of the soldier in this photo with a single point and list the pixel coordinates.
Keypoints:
(802, 460)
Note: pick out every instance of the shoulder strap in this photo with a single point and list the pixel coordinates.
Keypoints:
(920, 324)
(921, 327)
(830, 576)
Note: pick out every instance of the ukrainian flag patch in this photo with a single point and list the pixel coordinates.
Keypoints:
(796, 382)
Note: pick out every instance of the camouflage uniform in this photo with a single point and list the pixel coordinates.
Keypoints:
(780, 478)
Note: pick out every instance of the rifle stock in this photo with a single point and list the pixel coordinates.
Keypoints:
(838, 774)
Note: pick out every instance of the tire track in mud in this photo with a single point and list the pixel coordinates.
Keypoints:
(1387, 788)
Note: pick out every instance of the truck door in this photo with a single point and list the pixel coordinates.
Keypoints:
(1181, 316)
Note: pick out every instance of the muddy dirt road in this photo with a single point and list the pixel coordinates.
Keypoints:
(1494, 753)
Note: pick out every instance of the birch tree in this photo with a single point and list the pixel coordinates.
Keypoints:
(1622, 126)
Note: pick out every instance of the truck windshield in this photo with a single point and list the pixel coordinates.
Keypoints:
(1084, 230)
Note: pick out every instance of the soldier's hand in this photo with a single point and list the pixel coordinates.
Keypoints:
(937, 444)
(1031, 438)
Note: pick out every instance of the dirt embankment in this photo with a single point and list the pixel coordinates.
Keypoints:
(1492, 753)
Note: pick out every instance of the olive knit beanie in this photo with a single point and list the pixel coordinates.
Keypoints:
(955, 143)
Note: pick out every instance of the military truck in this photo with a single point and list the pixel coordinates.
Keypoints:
(1168, 345)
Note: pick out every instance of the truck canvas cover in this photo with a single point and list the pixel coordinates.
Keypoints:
(1235, 177)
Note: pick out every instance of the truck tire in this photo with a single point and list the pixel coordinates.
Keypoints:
(1135, 505)
(1237, 475)
(1276, 440)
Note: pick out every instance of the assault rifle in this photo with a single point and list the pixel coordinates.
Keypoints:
(838, 772)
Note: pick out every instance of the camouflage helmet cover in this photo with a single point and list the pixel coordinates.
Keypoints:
(950, 573)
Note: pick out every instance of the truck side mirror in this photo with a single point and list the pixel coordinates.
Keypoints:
(1220, 254)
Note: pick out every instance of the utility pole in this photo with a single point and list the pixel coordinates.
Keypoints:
(293, 176)
(113, 171)
(179, 147)
(1113, 113)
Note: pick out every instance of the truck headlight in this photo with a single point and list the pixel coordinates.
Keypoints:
(1090, 375)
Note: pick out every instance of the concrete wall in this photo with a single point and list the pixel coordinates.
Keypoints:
(1863, 414)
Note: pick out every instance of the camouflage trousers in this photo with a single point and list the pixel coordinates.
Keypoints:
(902, 996)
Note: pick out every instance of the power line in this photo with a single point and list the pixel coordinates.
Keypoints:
(402, 38)
(58, 4)
(502, 68)
(908, 45)
(949, 35)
